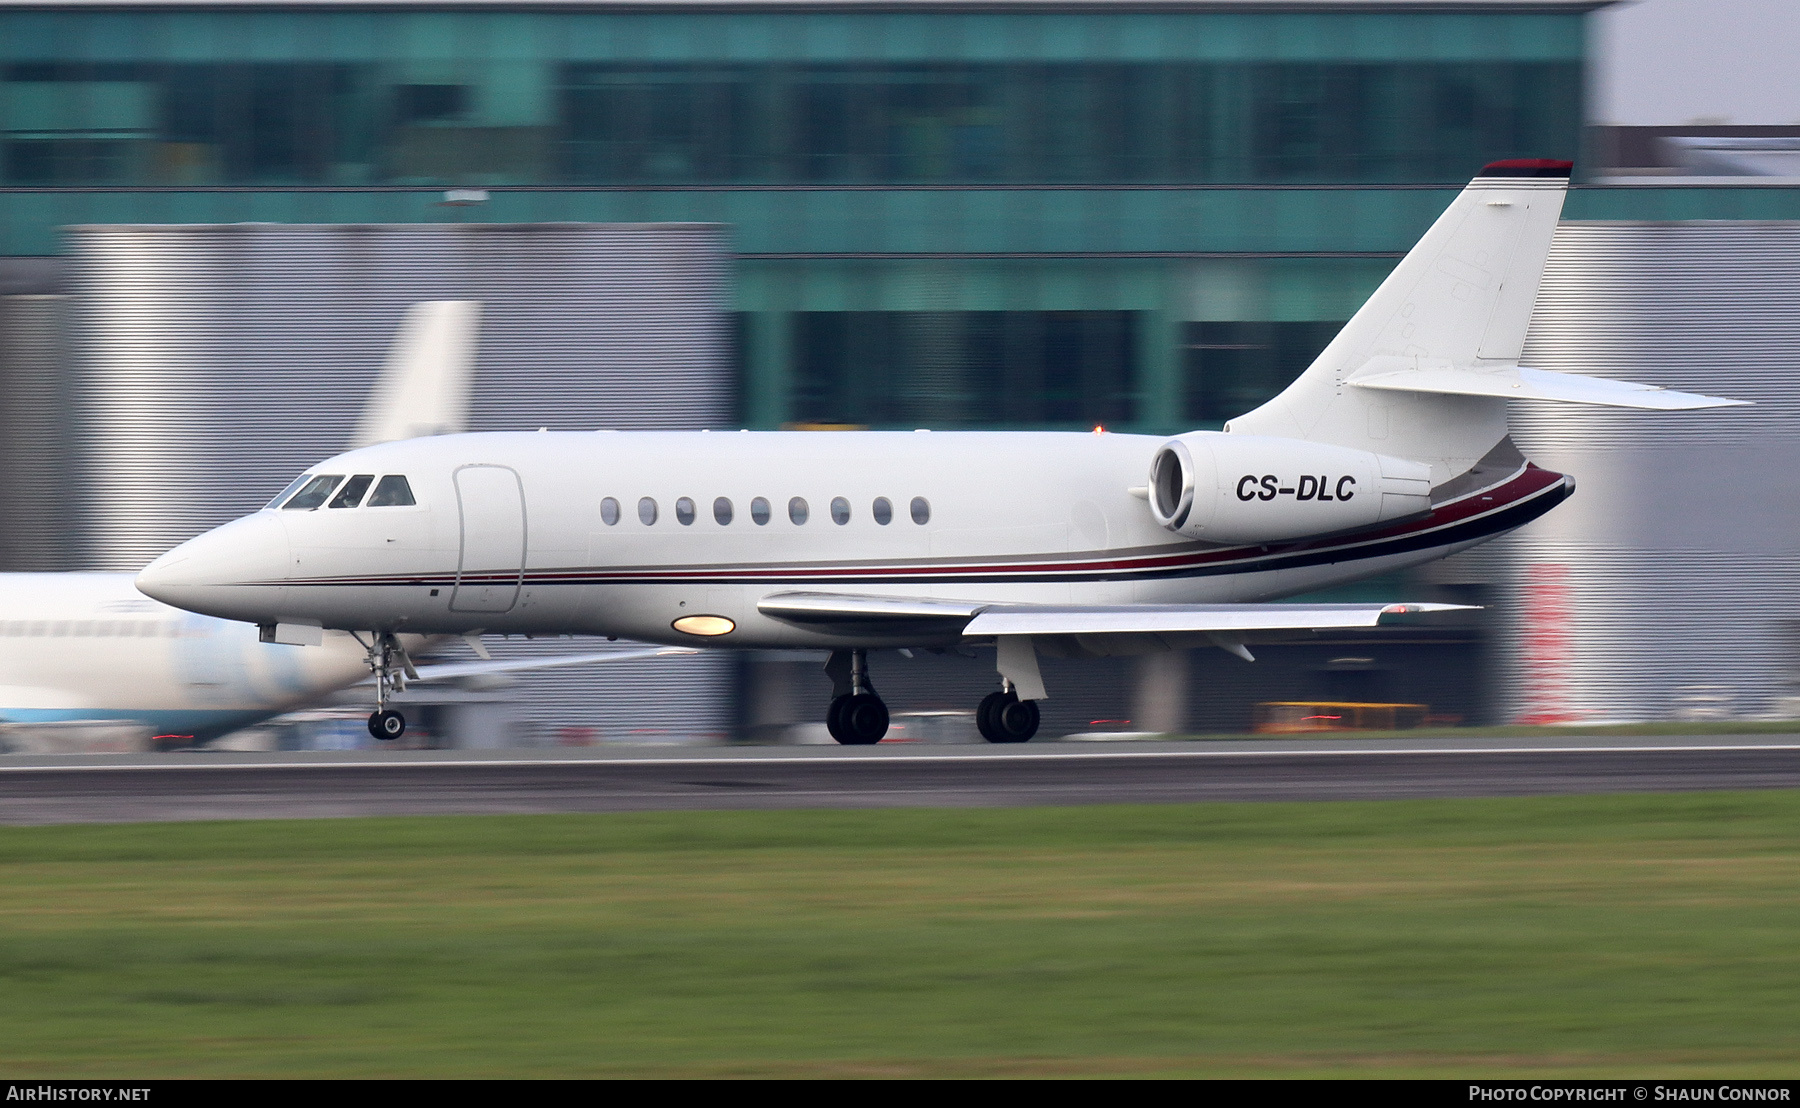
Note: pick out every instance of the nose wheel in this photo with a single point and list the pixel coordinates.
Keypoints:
(1004, 718)
(387, 725)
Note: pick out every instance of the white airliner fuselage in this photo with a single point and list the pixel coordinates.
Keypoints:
(91, 647)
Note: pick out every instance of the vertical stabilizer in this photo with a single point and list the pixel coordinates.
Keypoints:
(1461, 298)
(424, 385)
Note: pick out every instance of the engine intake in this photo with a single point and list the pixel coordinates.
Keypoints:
(1253, 489)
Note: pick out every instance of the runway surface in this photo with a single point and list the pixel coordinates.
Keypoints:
(200, 786)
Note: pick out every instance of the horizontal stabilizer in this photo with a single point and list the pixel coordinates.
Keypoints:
(1512, 382)
(980, 619)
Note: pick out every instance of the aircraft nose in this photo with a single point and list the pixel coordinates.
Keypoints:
(215, 572)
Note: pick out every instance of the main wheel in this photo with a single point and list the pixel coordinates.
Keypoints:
(859, 720)
(387, 726)
(1004, 718)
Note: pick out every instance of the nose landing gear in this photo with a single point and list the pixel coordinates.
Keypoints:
(857, 716)
(384, 653)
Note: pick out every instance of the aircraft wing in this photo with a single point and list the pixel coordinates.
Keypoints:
(980, 619)
(450, 670)
(1139, 619)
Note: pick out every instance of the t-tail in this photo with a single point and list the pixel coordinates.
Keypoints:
(424, 384)
(1424, 369)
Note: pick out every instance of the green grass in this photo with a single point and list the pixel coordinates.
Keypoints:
(1640, 935)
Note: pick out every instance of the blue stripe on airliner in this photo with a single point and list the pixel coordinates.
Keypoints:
(163, 722)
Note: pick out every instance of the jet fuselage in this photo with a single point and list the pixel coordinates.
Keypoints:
(628, 534)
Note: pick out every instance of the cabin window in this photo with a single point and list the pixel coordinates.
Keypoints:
(684, 511)
(609, 511)
(840, 510)
(921, 510)
(289, 491)
(315, 492)
(722, 511)
(352, 493)
(882, 510)
(392, 491)
(759, 510)
(646, 511)
(797, 509)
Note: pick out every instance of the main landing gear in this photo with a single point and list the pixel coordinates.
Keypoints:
(857, 716)
(385, 654)
(1004, 718)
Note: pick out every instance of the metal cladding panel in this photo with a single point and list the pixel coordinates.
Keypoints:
(1670, 579)
(214, 363)
(34, 399)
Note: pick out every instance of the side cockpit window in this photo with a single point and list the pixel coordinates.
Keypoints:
(392, 491)
(352, 493)
(313, 493)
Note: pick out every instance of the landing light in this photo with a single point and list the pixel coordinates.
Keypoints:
(705, 625)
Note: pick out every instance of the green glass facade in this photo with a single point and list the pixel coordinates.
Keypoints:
(629, 98)
(943, 218)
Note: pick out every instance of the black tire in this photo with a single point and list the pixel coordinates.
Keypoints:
(387, 726)
(1004, 718)
(862, 720)
(1018, 720)
(834, 718)
(984, 716)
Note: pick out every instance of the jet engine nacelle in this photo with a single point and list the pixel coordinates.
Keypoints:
(1252, 489)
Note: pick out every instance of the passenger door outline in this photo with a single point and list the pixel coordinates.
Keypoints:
(490, 562)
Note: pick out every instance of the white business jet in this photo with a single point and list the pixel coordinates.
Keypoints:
(84, 648)
(1389, 451)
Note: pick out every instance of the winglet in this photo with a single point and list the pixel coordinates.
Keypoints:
(424, 385)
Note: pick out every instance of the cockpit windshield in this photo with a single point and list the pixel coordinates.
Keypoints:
(313, 493)
(289, 491)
